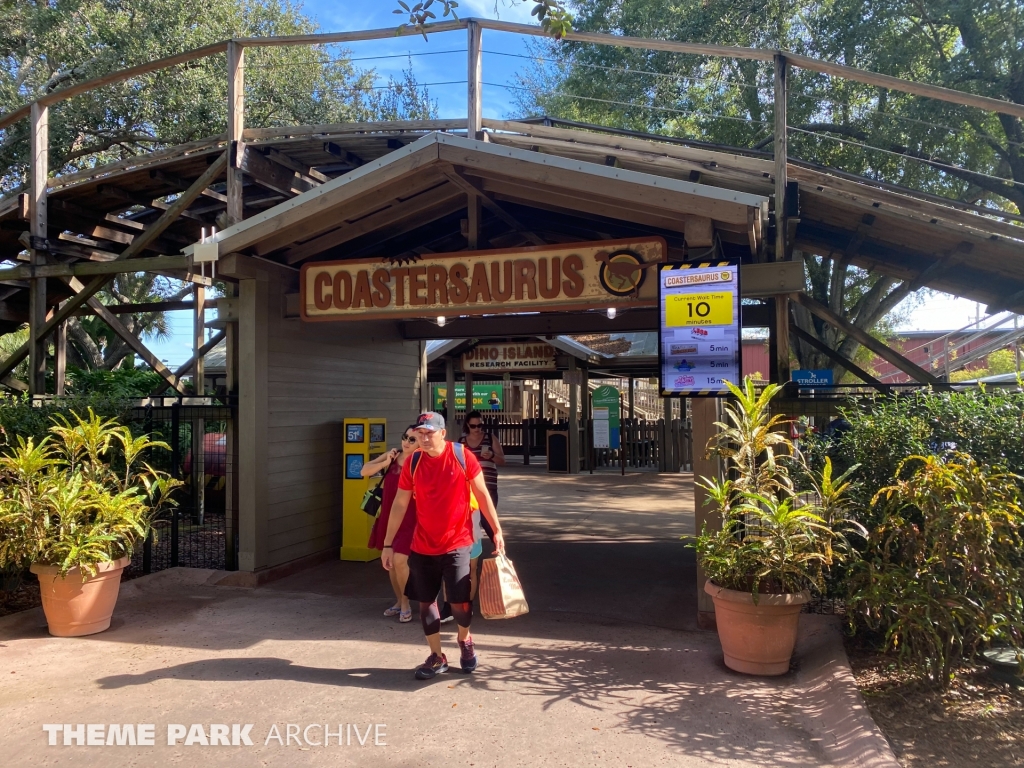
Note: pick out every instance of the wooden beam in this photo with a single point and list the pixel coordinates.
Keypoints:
(216, 339)
(474, 79)
(343, 129)
(39, 162)
(236, 129)
(335, 150)
(911, 369)
(312, 175)
(834, 356)
(271, 175)
(141, 308)
(134, 342)
(423, 208)
(138, 245)
(182, 183)
(91, 268)
(549, 323)
(474, 190)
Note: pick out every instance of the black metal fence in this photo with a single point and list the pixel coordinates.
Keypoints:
(200, 532)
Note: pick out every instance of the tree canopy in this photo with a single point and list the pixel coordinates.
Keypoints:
(962, 153)
(45, 46)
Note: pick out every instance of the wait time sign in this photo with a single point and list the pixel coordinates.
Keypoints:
(699, 338)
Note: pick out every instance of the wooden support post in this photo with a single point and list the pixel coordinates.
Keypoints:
(199, 388)
(705, 412)
(542, 400)
(253, 408)
(236, 125)
(449, 394)
(474, 211)
(426, 400)
(469, 403)
(39, 144)
(585, 408)
(230, 334)
(632, 404)
(60, 358)
(474, 85)
(780, 145)
(780, 327)
(574, 420)
(782, 352)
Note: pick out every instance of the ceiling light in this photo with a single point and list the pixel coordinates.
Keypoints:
(440, 321)
(611, 313)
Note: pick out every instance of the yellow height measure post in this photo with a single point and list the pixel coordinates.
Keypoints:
(364, 439)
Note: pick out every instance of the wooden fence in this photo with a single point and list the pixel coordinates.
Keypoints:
(665, 446)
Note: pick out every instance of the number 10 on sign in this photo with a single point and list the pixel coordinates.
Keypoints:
(694, 309)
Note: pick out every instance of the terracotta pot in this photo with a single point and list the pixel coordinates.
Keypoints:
(78, 604)
(757, 639)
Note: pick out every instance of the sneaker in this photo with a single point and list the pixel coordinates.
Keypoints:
(432, 667)
(468, 658)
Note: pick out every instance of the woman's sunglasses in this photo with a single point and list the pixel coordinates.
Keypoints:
(410, 438)
(475, 426)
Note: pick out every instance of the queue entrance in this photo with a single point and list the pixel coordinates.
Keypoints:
(439, 264)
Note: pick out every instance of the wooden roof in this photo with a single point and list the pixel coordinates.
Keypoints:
(398, 189)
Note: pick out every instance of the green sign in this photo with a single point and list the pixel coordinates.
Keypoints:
(481, 395)
(605, 406)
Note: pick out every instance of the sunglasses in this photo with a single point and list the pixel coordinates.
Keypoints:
(410, 438)
(475, 426)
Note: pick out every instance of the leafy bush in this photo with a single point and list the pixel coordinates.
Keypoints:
(121, 384)
(986, 424)
(772, 540)
(943, 572)
(83, 496)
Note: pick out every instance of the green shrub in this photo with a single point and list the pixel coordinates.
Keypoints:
(82, 496)
(943, 572)
(986, 424)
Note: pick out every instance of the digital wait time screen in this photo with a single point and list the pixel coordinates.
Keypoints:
(699, 339)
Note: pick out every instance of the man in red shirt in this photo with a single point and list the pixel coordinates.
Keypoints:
(443, 537)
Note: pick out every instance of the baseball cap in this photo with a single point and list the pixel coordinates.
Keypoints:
(430, 421)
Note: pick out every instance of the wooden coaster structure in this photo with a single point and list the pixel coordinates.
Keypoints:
(138, 214)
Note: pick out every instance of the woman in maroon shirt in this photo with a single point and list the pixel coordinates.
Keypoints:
(391, 464)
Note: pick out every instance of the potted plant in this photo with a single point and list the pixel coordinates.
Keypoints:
(73, 507)
(774, 544)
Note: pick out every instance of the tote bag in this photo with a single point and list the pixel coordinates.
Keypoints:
(501, 594)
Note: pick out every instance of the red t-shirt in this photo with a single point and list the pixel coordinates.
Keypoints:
(443, 518)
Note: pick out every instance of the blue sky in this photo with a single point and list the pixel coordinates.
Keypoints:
(440, 60)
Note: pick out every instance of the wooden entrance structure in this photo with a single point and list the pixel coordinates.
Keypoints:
(400, 191)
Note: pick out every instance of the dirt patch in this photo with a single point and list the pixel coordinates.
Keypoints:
(21, 599)
(977, 722)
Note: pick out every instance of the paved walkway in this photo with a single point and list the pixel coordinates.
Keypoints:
(606, 670)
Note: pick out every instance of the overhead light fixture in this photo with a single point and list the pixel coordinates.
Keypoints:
(440, 321)
(611, 313)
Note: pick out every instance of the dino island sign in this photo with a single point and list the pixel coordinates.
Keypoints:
(545, 278)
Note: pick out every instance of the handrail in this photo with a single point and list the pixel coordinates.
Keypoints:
(866, 77)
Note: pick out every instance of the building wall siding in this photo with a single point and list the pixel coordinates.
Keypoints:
(317, 375)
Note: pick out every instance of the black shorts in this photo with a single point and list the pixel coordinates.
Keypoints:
(427, 572)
